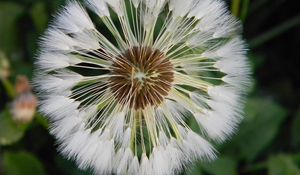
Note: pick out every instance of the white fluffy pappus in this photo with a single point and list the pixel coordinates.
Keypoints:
(121, 97)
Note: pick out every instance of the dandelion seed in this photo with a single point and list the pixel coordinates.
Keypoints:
(121, 97)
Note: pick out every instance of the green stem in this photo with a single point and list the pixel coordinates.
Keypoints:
(265, 37)
(235, 7)
(9, 88)
(245, 10)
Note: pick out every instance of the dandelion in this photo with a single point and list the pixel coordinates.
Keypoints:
(122, 81)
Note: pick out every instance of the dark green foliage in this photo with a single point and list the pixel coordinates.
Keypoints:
(22, 163)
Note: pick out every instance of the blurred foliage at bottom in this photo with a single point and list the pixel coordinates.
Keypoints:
(268, 140)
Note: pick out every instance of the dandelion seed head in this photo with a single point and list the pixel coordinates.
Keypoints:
(122, 80)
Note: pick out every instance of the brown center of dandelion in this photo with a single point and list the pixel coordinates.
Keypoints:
(141, 77)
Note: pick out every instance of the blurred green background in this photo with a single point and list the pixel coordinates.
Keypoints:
(268, 141)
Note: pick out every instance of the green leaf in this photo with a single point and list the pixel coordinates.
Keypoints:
(10, 131)
(42, 120)
(257, 61)
(39, 16)
(282, 165)
(222, 166)
(9, 14)
(194, 170)
(22, 163)
(68, 167)
(260, 126)
(296, 158)
(296, 131)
